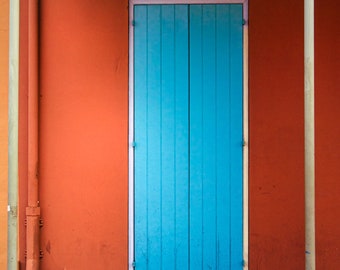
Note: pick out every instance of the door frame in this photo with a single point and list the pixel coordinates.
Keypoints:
(131, 214)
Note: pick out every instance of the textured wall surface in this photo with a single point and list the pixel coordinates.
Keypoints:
(276, 134)
(4, 7)
(83, 133)
(327, 134)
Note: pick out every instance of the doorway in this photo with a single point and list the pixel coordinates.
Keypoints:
(187, 136)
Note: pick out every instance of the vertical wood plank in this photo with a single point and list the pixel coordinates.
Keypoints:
(181, 137)
(168, 139)
(223, 136)
(196, 140)
(236, 62)
(141, 136)
(209, 135)
(154, 137)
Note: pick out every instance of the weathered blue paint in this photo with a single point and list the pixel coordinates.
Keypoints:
(141, 138)
(161, 153)
(236, 140)
(188, 133)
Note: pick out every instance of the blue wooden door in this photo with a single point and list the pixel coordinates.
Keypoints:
(188, 136)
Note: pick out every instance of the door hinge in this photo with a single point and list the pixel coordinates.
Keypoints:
(133, 264)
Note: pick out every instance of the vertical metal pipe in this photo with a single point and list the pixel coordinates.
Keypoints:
(13, 86)
(33, 209)
(309, 135)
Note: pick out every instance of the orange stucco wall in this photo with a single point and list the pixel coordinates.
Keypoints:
(83, 134)
(276, 134)
(3, 128)
(327, 134)
(276, 89)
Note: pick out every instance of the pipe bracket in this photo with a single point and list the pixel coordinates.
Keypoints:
(33, 211)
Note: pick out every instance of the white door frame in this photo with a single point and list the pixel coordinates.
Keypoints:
(245, 118)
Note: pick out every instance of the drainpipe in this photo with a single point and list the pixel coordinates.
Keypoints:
(309, 135)
(33, 209)
(13, 86)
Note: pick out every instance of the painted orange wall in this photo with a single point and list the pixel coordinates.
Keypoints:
(327, 105)
(276, 85)
(276, 134)
(4, 25)
(83, 134)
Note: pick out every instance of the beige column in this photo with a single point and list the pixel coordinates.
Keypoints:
(309, 135)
